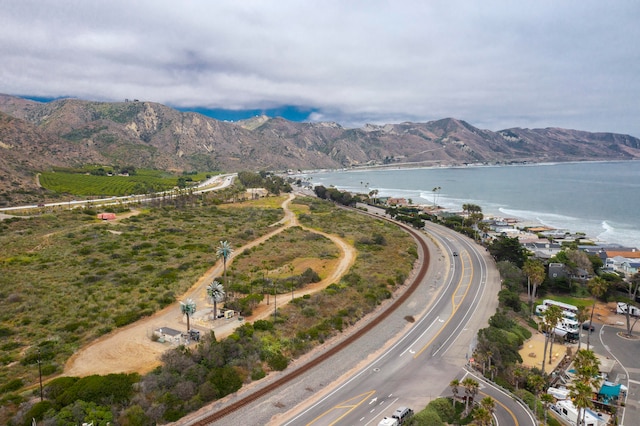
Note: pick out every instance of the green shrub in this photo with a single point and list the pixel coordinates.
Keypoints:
(11, 386)
(37, 412)
(277, 361)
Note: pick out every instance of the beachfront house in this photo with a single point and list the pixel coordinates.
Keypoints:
(557, 271)
(630, 267)
(543, 249)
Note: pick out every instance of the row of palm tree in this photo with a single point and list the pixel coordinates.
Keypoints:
(215, 290)
(550, 319)
(587, 377)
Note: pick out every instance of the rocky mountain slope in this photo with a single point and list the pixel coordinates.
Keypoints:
(35, 136)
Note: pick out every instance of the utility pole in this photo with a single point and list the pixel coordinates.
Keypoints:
(40, 374)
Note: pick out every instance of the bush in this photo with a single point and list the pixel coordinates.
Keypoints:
(12, 385)
(112, 388)
(277, 361)
(37, 412)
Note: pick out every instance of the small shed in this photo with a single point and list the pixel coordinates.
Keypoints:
(106, 216)
(167, 334)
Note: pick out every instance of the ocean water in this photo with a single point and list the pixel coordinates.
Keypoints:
(601, 199)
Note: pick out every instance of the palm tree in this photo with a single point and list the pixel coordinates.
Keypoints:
(580, 394)
(549, 323)
(518, 373)
(587, 368)
(470, 390)
(435, 195)
(554, 313)
(482, 417)
(224, 251)
(597, 287)
(547, 400)
(215, 291)
(454, 390)
(534, 270)
(582, 316)
(488, 404)
(536, 383)
(188, 308)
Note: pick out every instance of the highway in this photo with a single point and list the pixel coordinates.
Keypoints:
(420, 365)
(214, 183)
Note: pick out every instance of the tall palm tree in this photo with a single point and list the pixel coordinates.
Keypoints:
(547, 400)
(188, 308)
(554, 313)
(534, 270)
(580, 394)
(587, 368)
(536, 383)
(454, 390)
(549, 323)
(215, 291)
(224, 251)
(582, 316)
(435, 195)
(470, 390)
(597, 287)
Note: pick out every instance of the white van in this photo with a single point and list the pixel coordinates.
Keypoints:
(402, 414)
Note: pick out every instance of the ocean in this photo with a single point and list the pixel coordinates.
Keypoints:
(601, 199)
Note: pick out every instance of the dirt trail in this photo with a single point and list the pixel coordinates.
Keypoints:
(130, 349)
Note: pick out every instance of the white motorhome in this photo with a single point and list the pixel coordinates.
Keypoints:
(634, 311)
(568, 412)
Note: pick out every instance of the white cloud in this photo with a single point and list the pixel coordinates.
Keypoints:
(496, 64)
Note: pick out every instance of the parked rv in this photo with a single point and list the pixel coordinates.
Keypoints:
(633, 310)
(569, 413)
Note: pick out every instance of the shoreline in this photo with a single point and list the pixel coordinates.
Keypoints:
(598, 204)
(415, 166)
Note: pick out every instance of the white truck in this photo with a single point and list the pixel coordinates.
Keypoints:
(389, 421)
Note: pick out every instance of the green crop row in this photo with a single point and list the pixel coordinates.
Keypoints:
(143, 181)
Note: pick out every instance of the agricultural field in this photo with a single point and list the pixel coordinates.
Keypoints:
(69, 278)
(84, 183)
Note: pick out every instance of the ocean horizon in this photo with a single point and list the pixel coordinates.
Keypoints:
(599, 198)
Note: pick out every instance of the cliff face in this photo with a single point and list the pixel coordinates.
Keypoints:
(35, 136)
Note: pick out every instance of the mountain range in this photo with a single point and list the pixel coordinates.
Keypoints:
(35, 136)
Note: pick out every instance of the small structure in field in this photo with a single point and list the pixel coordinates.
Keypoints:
(166, 334)
(106, 216)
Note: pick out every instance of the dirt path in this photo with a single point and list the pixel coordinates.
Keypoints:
(130, 349)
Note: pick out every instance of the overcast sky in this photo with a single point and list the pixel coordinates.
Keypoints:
(496, 64)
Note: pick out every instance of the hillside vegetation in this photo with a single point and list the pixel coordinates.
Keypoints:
(36, 136)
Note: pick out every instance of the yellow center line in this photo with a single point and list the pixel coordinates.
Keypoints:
(345, 404)
(454, 307)
(513, 416)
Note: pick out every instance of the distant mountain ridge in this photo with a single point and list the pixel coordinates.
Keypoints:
(35, 136)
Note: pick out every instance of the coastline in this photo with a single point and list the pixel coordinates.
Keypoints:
(415, 166)
(598, 198)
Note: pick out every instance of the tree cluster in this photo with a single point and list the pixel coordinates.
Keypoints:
(333, 194)
(271, 182)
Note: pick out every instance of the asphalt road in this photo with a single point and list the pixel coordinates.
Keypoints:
(419, 366)
(400, 361)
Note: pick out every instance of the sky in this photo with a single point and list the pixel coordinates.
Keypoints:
(495, 64)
